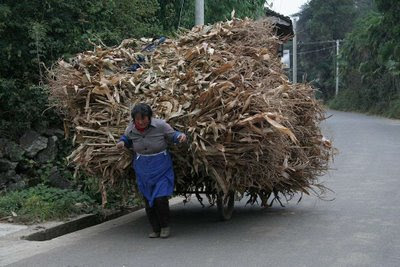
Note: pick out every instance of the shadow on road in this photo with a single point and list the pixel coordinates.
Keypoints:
(192, 220)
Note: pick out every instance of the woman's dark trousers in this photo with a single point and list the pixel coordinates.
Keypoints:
(158, 215)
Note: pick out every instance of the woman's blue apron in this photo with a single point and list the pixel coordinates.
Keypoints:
(154, 175)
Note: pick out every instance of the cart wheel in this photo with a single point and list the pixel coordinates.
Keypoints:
(225, 206)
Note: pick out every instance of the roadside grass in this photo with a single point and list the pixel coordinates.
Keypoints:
(394, 109)
(43, 203)
(350, 101)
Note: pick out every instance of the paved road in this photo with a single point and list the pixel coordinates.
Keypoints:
(359, 228)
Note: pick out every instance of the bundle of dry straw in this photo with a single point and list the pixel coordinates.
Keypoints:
(251, 130)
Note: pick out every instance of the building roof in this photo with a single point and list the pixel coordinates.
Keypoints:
(283, 23)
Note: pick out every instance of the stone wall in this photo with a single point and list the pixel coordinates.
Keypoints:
(20, 161)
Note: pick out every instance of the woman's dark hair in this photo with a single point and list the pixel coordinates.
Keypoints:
(143, 109)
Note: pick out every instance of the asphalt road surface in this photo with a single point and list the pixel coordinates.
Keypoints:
(360, 227)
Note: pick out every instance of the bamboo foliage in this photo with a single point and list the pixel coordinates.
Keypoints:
(250, 130)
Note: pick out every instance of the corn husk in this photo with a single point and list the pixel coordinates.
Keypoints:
(250, 130)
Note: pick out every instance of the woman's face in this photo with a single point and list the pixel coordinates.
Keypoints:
(142, 121)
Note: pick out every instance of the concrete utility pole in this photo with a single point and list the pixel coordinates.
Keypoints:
(199, 9)
(294, 52)
(337, 68)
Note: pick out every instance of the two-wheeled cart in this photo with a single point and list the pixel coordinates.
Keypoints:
(225, 205)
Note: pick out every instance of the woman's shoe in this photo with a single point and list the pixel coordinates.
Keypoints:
(154, 235)
(165, 232)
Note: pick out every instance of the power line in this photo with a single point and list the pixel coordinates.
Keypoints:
(319, 42)
(298, 32)
(313, 51)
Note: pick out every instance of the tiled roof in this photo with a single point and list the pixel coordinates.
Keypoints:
(283, 23)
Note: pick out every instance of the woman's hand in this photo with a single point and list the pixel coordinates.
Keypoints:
(182, 138)
(120, 145)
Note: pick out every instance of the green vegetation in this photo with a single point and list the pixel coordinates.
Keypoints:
(371, 63)
(23, 107)
(321, 21)
(43, 203)
(370, 54)
(36, 33)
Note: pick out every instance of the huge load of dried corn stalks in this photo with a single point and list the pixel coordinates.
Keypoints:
(250, 130)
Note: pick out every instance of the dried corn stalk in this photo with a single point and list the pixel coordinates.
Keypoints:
(251, 130)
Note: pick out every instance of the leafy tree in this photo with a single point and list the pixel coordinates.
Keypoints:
(36, 33)
(364, 7)
(371, 63)
(218, 10)
(320, 21)
(23, 107)
(389, 46)
(174, 13)
(43, 31)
